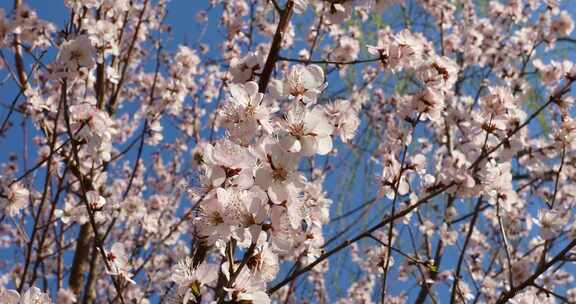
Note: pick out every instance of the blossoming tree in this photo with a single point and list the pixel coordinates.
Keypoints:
(308, 151)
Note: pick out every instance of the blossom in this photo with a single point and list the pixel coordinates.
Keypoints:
(253, 213)
(95, 201)
(551, 223)
(238, 213)
(65, 296)
(9, 296)
(187, 61)
(232, 155)
(244, 69)
(244, 112)
(236, 161)
(440, 74)
(390, 175)
(117, 259)
(300, 6)
(563, 26)
(304, 83)
(248, 288)
(87, 3)
(290, 208)
(338, 11)
(531, 295)
(76, 53)
(30, 29)
(14, 199)
(263, 263)
(32, 296)
(497, 180)
(95, 127)
(521, 269)
(191, 279)
(404, 50)
(448, 235)
(35, 296)
(71, 212)
(497, 100)
(103, 36)
(429, 102)
(309, 131)
(278, 173)
(4, 27)
(347, 49)
(212, 220)
(344, 118)
(156, 135)
(553, 72)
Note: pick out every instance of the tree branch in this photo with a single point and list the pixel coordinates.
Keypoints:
(275, 47)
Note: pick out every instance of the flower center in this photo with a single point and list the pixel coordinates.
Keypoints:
(217, 218)
(297, 129)
(280, 174)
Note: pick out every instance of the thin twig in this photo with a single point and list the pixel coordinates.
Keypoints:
(463, 251)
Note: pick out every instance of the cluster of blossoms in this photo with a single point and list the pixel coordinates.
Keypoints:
(26, 26)
(253, 194)
(221, 172)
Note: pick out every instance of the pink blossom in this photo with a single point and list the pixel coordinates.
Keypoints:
(118, 261)
(14, 199)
